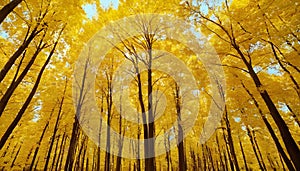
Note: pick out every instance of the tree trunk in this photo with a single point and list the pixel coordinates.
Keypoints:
(15, 158)
(167, 151)
(180, 146)
(72, 146)
(228, 151)
(28, 100)
(55, 129)
(75, 130)
(254, 148)
(258, 150)
(120, 143)
(145, 126)
(15, 83)
(204, 157)
(100, 129)
(230, 141)
(38, 146)
(243, 153)
(138, 160)
(55, 153)
(109, 117)
(287, 138)
(271, 131)
(62, 150)
(8, 9)
(151, 150)
(20, 50)
(60, 154)
(220, 153)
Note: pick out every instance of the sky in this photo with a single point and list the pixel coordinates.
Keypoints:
(91, 11)
(106, 3)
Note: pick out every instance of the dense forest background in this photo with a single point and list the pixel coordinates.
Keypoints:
(41, 116)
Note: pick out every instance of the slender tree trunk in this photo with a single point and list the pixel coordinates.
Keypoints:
(204, 157)
(87, 163)
(151, 150)
(28, 100)
(138, 161)
(170, 155)
(258, 150)
(287, 138)
(100, 129)
(230, 141)
(94, 164)
(75, 131)
(109, 117)
(55, 129)
(210, 159)
(98, 148)
(193, 156)
(19, 51)
(220, 153)
(167, 152)
(243, 153)
(38, 146)
(15, 83)
(84, 154)
(225, 159)
(120, 143)
(254, 148)
(271, 131)
(72, 146)
(55, 153)
(60, 154)
(29, 154)
(281, 162)
(15, 158)
(227, 150)
(145, 126)
(180, 146)
(79, 156)
(8, 9)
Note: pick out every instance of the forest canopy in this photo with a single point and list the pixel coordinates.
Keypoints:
(149, 85)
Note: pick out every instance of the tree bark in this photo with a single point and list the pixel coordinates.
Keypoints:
(287, 138)
(28, 100)
(228, 151)
(230, 141)
(8, 9)
(55, 129)
(75, 129)
(20, 50)
(15, 158)
(60, 154)
(271, 131)
(38, 146)
(180, 146)
(12, 87)
(258, 150)
(254, 148)
(243, 153)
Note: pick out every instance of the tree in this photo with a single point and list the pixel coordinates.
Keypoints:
(8, 8)
(232, 39)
